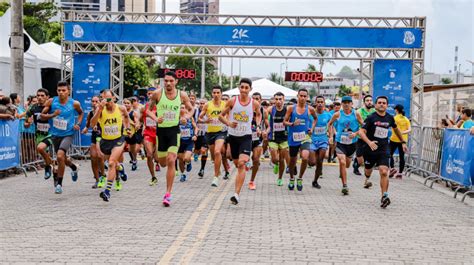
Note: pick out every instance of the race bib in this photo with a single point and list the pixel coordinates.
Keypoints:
(215, 122)
(42, 127)
(241, 128)
(186, 133)
(381, 132)
(319, 130)
(60, 124)
(255, 136)
(111, 130)
(278, 127)
(150, 122)
(169, 116)
(299, 136)
(345, 139)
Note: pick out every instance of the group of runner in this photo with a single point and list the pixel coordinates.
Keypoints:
(173, 126)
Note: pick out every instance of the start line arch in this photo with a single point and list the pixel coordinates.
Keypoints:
(390, 50)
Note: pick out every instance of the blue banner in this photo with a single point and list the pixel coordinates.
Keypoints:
(9, 146)
(257, 36)
(393, 78)
(91, 74)
(457, 159)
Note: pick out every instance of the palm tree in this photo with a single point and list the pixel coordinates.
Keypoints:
(322, 61)
(274, 77)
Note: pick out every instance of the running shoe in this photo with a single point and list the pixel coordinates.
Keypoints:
(105, 195)
(215, 182)
(287, 170)
(316, 184)
(279, 182)
(95, 185)
(201, 173)
(59, 189)
(385, 201)
(118, 185)
(167, 200)
(47, 171)
(196, 157)
(392, 172)
(345, 191)
(299, 184)
(189, 167)
(399, 175)
(291, 184)
(356, 171)
(367, 184)
(176, 174)
(74, 175)
(248, 166)
(182, 178)
(134, 165)
(121, 171)
(157, 167)
(102, 181)
(235, 199)
(252, 185)
(226, 175)
(153, 181)
(276, 168)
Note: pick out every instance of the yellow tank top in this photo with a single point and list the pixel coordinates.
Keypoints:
(111, 124)
(212, 113)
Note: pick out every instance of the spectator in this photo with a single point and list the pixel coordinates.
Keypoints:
(395, 143)
(7, 110)
(466, 121)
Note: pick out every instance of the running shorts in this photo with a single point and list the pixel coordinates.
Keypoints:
(211, 138)
(168, 140)
(294, 150)
(277, 145)
(186, 146)
(106, 146)
(345, 149)
(372, 159)
(62, 143)
(240, 145)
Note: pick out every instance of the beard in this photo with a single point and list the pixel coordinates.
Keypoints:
(369, 106)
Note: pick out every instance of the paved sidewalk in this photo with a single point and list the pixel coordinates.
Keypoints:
(271, 225)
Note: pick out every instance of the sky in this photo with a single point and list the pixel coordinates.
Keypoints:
(449, 23)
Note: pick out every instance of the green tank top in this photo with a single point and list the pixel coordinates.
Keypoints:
(364, 113)
(169, 110)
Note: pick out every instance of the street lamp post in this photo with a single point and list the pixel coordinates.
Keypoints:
(281, 77)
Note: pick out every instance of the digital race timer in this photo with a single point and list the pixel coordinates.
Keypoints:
(304, 76)
(180, 73)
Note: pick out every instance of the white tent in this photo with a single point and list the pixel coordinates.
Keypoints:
(35, 59)
(266, 88)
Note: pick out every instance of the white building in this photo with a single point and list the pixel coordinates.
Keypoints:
(330, 86)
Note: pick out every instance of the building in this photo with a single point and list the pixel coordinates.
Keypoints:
(330, 86)
(200, 7)
(132, 6)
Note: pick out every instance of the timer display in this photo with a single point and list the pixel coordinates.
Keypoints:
(180, 73)
(304, 76)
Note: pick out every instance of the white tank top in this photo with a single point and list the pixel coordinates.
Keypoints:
(243, 115)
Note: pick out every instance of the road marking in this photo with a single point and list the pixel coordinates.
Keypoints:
(186, 259)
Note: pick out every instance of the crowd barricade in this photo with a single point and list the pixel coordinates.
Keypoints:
(9, 146)
(413, 154)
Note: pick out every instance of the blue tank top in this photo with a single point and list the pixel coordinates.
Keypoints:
(187, 130)
(299, 134)
(345, 125)
(321, 129)
(63, 124)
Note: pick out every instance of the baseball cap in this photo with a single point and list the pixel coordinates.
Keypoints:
(346, 98)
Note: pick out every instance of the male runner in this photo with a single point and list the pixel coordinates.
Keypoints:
(319, 140)
(299, 140)
(259, 132)
(332, 146)
(62, 110)
(168, 102)
(375, 134)
(215, 134)
(133, 139)
(364, 112)
(112, 119)
(346, 122)
(149, 137)
(138, 109)
(200, 146)
(188, 137)
(278, 136)
(240, 110)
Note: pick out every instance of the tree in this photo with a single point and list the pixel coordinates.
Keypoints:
(274, 77)
(344, 91)
(446, 81)
(347, 72)
(135, 73)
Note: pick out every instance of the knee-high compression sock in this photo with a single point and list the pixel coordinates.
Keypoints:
(203, 161)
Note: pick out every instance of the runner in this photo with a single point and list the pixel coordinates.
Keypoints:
(135, 127)
(259, 132)
(97, 161)
(375, 134)
(138, 109)
(168, 102)
(149, 138)
(319, 140)
(62, 110)
(346, 123)
(299, 140)
(278, 137)
(188, 137)
(403, 124)
(332, 146)
(200, 146)
(112, 119)
(226, 157)
(240, 110)
(364, 112)
(215, 134)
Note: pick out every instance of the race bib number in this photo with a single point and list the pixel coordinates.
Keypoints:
(299, 136)
(345, 139)
(150, 122)
(241, 128)
(42, 127)
(319, 130)
(381, 132)
(278, 127)
(201, 126)
(255, 136)
(186, 133)
(169, 116)
(60, 124)
(111, 130)
(215, 122)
